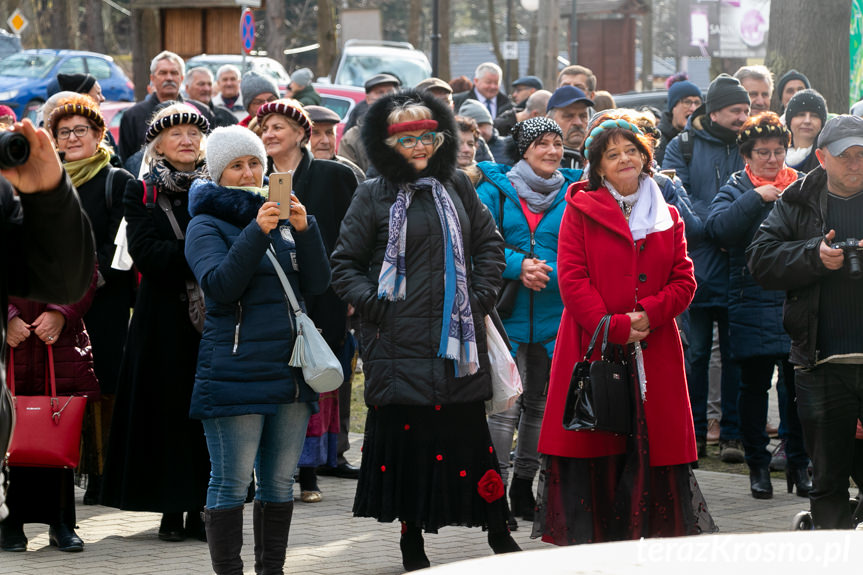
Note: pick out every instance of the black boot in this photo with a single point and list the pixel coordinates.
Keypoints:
(759, 483)
(798, 477)
(272, 527)
(413, 548)
(12, 537)
(225, 539)
(521, 499)
(195, 526)
(171, 527)
(502, 542)
(94, 486)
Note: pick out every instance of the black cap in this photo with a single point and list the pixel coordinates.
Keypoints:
(80, 83)
(725, 91)
(791, 74)
(379, 79)
(806, 101)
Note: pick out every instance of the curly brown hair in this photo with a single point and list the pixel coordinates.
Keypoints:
(600, 141)
(763, 126)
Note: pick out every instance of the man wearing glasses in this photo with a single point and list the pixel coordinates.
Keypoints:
(684, 97)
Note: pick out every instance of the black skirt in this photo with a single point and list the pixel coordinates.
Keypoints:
(430, 467)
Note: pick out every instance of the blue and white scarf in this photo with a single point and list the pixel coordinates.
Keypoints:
(458, 337)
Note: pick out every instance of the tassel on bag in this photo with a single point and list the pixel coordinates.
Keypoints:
(298, 358)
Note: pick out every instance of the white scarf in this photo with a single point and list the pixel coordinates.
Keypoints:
(649, 212)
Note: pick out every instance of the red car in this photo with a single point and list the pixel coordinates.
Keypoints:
(112, 112)
(341, 100)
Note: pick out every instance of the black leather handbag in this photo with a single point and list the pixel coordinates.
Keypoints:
(600, 392)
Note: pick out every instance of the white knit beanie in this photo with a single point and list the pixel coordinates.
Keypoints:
(229, 143)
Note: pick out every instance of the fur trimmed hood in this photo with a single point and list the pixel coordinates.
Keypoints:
(233, 205)
(388, 162)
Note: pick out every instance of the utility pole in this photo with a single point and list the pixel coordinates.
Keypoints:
(573, 35)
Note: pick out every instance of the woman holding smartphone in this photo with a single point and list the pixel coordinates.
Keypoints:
(253, 405)
(325, 188)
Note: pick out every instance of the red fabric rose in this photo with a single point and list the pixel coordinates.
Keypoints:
(490, 487)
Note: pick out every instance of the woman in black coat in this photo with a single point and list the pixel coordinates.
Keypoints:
(157, 457)
(79, 132)
(420, 259)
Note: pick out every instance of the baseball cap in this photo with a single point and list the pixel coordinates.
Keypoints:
(566, 95)
(840, 133)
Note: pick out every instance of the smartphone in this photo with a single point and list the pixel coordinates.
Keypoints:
(281, 184)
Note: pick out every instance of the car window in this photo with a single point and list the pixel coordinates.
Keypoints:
(72, 66)
(340, 106)
(99, 68)
(27, 65)
(359, 68)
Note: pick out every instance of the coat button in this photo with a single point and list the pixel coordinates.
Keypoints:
(643, 345)
(642, 277)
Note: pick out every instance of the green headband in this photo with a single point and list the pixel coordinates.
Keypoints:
(607, 125)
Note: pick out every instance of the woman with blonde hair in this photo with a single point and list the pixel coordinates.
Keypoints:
(157, 457)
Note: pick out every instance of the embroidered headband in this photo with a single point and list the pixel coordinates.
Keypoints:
(609, 124)
(764, 131)
(76, 110)
(191, 118)
(288, 109)
(411, 126)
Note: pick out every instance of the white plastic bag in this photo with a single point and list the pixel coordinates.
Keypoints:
(505, 379)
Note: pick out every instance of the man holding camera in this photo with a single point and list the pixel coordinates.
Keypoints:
(803, 247)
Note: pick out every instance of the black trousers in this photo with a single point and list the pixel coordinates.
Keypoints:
(830, 401)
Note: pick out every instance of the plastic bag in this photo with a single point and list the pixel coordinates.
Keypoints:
(505, 379)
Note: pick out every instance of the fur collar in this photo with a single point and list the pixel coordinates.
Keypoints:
(388, 162)
(233, 205)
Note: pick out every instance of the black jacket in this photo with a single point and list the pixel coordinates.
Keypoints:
(784, 255)
(502, 100)
(401, 338)
(668, 131)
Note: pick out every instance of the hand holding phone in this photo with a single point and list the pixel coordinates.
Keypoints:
(281, 184)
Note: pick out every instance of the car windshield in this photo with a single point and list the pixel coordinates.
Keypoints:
(359, 68)
(27, 65)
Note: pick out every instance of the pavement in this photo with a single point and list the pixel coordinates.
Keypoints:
(327, 540)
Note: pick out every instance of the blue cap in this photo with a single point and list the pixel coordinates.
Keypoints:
(530, 81)
(566, 95)
(680, 90)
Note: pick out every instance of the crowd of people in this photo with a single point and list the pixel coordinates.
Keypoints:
(708, 239)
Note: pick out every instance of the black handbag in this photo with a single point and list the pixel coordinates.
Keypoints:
(600, 392)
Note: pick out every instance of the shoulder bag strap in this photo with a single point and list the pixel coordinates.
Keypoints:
(286, 285)
(50, 381)
(604, 321)
(109, 188)
(165, 204)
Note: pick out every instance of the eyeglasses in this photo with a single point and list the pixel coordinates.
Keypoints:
(691, 102)
(79, 131)
(410, 141)
(765, 154)
(260, 102)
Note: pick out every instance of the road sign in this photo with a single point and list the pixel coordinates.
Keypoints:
(17, 22)
(247, 30)
(510, 50)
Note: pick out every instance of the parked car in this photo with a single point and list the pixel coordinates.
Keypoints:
(257, 64)
(9, 43)
(362, 59)
(24, 77)
(341, 100)
(112, 112)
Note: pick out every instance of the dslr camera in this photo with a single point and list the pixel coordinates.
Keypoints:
(852, 249)
(14, 150)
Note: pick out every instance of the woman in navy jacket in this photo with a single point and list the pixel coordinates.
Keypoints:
(253, 404)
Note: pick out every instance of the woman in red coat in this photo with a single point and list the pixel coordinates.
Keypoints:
(622, 252)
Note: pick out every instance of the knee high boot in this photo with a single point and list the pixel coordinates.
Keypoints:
(272, 523)
(224, 529)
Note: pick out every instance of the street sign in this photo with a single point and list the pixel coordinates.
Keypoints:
(247, 30)
(510, 50)
(17, 22)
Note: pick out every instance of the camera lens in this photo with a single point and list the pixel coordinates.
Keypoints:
(855, 271)
(14, 150)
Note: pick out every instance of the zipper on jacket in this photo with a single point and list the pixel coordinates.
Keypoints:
(239, 319)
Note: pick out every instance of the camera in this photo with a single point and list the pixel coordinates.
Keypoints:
(14, 150)
(852, 250)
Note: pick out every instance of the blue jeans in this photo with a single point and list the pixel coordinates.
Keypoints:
(698, 365)
(271, 444)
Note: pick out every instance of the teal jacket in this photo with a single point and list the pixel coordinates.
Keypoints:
(536, 315)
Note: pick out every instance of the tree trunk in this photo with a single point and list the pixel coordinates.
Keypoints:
(146, 34)
(495, 43)
(547, 44)
(818, 49)
(95, 40)
(275, 31)
(416, 12)
(444, 20)
(60, 28)
(532, 45)
(326, 37)
(647, 47)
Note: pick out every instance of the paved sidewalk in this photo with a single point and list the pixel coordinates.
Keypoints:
(327, 540)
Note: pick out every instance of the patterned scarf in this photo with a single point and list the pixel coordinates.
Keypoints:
(458, 337)
(167, 177)
(82, 171)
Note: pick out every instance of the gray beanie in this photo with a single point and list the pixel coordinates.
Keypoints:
(229, 143)
(254, 84)
(302, 77)
(473, 109)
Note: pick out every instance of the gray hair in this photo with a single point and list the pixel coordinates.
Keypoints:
(758, 72)
(168, 55)
(488, 67)
(190, 76)
(537, 102)
(228, 68)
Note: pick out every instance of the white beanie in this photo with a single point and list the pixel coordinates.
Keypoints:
(229, 143)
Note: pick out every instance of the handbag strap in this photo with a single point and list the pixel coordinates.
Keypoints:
(605, 334)
(286, 285)
(606, 319)
(165, 204)
(50, 380)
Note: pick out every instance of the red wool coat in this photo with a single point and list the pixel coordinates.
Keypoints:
(601, 271)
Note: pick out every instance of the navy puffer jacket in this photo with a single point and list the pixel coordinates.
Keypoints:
(754, 313)
(243, 361)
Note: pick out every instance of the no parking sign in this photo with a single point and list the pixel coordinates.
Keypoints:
(247, 30)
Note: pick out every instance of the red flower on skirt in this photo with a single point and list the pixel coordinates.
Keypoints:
(490, 487)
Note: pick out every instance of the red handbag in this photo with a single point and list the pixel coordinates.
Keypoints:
(48, 427)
